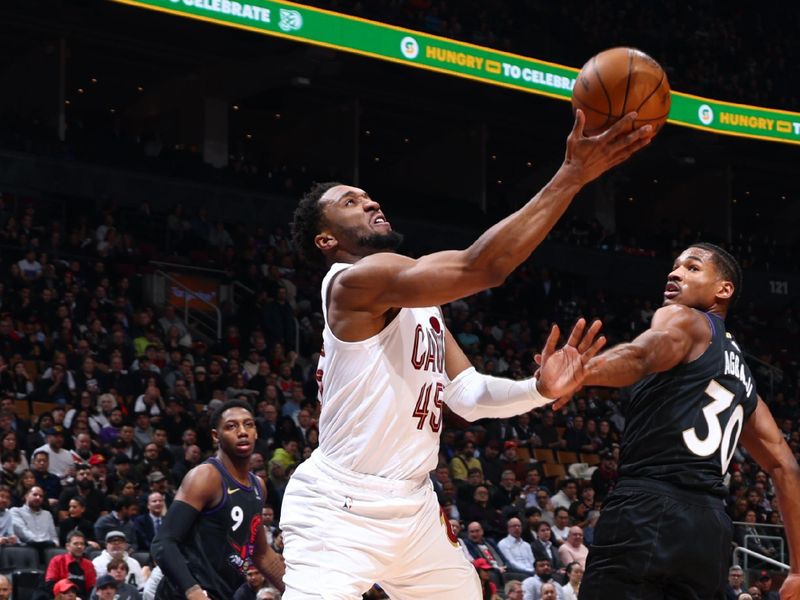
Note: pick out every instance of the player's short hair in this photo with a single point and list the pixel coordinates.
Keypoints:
(216, 416)
(308, 219)
(727, 266)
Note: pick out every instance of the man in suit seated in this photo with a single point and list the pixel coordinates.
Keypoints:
(480, 547)
(147, 525)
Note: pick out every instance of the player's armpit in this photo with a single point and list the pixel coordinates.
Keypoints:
(765, 443)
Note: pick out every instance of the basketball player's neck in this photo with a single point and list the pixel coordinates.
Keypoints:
(238, 467)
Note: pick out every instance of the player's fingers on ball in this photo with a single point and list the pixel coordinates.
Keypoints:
(577, 126)
(621, 127)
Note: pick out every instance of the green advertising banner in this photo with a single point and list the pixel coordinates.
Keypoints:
(434, 53)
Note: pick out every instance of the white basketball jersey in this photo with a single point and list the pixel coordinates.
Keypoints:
(382, 397)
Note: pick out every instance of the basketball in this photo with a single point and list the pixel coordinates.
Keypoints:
(618, 81)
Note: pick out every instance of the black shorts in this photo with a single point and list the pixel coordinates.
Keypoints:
(658, 542)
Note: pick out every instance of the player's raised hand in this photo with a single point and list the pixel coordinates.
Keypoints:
(589, 157)
(790, 590)
(562, 371)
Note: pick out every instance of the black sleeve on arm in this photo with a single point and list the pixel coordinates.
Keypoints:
(166, 546)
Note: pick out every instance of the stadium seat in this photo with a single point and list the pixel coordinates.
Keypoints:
(543, 455)
(49, 553)
(565, 457)
(25, 583)
(524, 454)
(143, 558)
(13, 558)
(554, 470)
(590, 458)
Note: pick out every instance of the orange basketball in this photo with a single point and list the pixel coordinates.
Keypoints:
(618, 81)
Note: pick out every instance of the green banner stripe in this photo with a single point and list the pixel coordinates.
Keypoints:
(443, 55)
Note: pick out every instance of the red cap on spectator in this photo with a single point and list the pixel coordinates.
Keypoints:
(97, 459)
(509, 444)
(764, 575)
(482, 563)
(63, 585)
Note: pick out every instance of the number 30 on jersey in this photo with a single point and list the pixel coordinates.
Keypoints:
(717, 439)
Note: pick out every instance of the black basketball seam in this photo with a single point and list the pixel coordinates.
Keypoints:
(602, 87)
(655, 89)
(587, 105)
(628, 82)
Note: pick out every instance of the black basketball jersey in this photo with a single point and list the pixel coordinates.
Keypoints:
(682, 425)
(220, 547)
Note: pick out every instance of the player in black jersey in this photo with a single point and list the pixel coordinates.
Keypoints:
(212, 532)
(664, 533)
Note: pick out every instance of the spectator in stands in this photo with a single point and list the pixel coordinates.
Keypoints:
(543, 574)
(735, 584)
(764, 587)
(7, 535)
(479, 509)
(5, 588)
(508, 493)
(34, 526)
(76, 520)
(755, 593)
(64, 589)
(480, 547)
(543, 546)
(550, 591)
(575, 438)
(580, 509)
(488, 587)
(566, 495)
(512, 461)
(147, 525)
(491, 464)
(95, 502)
(8, 475)
(106, 588)
(605, 476)
(560, 525)
(157, 482)
(548, 433)
(530, 530)
(27, 480)
(573, 550)
(464, 460)
(120, 519)
(532, 485)
(72, 565)
(117, 547)
(118, 569)
(10, 443)
(517, 552)
(190, 459)
(143, 431)
(573, 584)
(249, 589)
(544, 504)
(513, 590)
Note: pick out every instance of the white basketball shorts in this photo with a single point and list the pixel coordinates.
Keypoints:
(345, 531)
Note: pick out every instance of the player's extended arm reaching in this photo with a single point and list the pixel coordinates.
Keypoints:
(473, 395)
(382, 281)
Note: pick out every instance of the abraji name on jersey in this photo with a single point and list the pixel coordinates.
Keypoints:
(735, 366)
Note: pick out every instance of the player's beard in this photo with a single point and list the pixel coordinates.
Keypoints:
(382, 241)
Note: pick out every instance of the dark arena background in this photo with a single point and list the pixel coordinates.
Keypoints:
(149, 166)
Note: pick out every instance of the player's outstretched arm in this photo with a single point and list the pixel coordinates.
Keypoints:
(382, 281)
(764, 441)
(197, 491)
(677, 334)
(473, 395)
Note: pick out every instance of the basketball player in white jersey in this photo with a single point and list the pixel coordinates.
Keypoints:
(362, 510)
